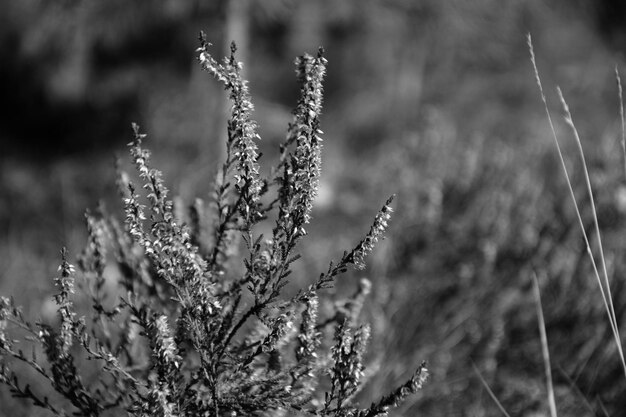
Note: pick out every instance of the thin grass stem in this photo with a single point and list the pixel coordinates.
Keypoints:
(544, 347)
(577, 391)
(603, 408)
(489, 391)
(621, 116)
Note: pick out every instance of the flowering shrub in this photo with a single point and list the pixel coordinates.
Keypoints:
(197, 328)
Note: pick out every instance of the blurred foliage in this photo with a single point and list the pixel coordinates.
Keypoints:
(432, 100)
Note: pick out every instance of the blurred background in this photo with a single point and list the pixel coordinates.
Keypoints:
(433, 101)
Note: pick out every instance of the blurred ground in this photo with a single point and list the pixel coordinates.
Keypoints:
(434, 101)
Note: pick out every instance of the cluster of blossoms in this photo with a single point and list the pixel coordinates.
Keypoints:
(242, 130)
(308, 337)
(348, 354)
(194, 329)
(303, 168)
(373, 236)
(65, 283)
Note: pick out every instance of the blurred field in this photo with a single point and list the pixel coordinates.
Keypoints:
(433, 101)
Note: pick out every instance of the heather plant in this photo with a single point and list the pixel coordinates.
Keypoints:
(197, 322)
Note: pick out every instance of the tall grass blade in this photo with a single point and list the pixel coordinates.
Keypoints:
(544, 347)
(562, 160)
(608, 304)
(610, 309)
